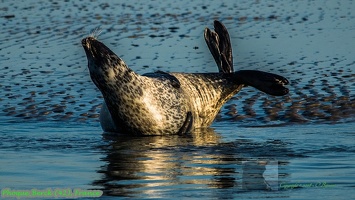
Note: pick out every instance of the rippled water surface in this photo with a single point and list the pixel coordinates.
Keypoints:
(298, 146)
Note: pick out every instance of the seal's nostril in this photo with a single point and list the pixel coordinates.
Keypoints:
(83, 41)
(86, 41)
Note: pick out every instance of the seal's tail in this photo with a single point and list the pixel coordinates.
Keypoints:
(269, 83)
(218, 42)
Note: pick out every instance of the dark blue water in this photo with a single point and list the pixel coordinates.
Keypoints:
(295, 147)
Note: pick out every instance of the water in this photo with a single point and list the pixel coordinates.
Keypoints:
(301, 144)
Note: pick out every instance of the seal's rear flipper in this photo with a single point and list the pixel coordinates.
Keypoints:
(218, 42)
(267, 82)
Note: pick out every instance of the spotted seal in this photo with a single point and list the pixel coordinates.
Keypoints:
(163, 103)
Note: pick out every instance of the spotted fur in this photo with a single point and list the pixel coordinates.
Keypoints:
(163, 103)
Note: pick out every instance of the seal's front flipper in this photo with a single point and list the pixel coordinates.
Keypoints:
(165, 76)
(187, 126)
(267, 82)
(218, 42)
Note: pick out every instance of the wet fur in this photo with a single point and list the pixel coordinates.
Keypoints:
(163, 103)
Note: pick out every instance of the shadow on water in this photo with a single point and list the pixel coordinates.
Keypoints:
(193, 164)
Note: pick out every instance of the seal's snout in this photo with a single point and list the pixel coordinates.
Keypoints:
(99, 56)
(96, 49)
(86, 42)
(93, 48)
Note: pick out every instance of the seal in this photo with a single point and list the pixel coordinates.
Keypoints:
(162, 103)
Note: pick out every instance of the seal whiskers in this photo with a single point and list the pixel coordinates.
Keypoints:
(163, 103)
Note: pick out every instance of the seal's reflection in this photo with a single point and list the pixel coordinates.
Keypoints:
(157, 166)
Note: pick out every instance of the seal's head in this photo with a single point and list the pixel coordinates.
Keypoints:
(104, 65)
(98, 54)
